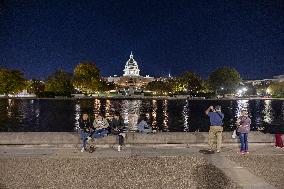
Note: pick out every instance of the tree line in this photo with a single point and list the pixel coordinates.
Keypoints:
(86, 78)
(224, 80)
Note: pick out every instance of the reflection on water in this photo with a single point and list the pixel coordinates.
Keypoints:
(185, 114)
(97, 107)
(77, 114)
(108, 110)
(131, 112)
(268, 114)
(172, 115)
(166, 115)
(9, 108)
(154, 114)
(242, 105)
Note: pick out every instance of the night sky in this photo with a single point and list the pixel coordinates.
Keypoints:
(40, 36)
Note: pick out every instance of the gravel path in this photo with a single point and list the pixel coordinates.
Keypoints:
(107, 172)
(269, 167)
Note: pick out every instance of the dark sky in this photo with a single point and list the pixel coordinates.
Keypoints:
(40, 36)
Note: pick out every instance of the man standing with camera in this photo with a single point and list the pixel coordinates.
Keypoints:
(216, 127)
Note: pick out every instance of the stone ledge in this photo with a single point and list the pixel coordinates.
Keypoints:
(59, 138)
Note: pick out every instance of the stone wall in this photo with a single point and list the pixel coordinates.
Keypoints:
(57, 138)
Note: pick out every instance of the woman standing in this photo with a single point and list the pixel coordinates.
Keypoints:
(278, 128)
(243, 124)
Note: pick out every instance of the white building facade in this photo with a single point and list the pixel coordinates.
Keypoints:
(131, 78)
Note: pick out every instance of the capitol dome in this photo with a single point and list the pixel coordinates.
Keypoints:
(131, 67)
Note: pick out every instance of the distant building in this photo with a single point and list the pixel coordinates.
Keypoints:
(131, 78)
(279, 78)
(258, 82)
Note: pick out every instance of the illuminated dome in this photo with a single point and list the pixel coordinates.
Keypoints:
(131, 67)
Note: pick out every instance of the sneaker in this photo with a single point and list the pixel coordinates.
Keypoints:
(247, 152)
(119, 148)
(83, 149)
(243, 153)
(89, 138)
(218, 151)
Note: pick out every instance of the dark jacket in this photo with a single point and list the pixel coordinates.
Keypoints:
(85, 125)
(276, 127)
(116, 125)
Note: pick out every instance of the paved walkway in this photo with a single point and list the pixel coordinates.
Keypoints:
(232, 164)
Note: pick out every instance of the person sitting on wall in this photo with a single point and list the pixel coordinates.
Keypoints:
(143, 124)
(85, 126)
(100, 127)
(116, 128)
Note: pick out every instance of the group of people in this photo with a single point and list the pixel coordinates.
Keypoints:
(216, 128)
(100, 127)
(243, 124)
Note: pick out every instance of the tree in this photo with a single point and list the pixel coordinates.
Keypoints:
(158, 86)
(225, 80)
(11, 81)
(206, 87)
(176, 85)
(35, 86)
(276, 89)
(59, 83)
(106, 86)
(87, 77)
(191, 82)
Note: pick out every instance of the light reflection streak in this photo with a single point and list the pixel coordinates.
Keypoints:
(165, 114)
(77, 114)
(9, 108)
(154, 114)
(242, 105)
(107, 109)
(97, 106)
(268, 115)
(185, 113)
(131, 113)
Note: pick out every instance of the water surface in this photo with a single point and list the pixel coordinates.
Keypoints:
(166, 115)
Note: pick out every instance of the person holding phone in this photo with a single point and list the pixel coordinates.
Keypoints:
(216, 127)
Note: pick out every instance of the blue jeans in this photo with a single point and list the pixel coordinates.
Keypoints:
(100, 133)
(84, 137)
(244, 142)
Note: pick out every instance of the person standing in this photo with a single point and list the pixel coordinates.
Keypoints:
(216, 127)
(85, 125)
(277, 127)
(243, 128)
(278, 140)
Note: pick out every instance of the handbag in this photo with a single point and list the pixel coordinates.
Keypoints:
(235, 134)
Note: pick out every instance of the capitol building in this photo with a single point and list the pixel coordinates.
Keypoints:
(131, 78)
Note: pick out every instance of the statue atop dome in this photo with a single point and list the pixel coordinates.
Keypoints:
(131, 67)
